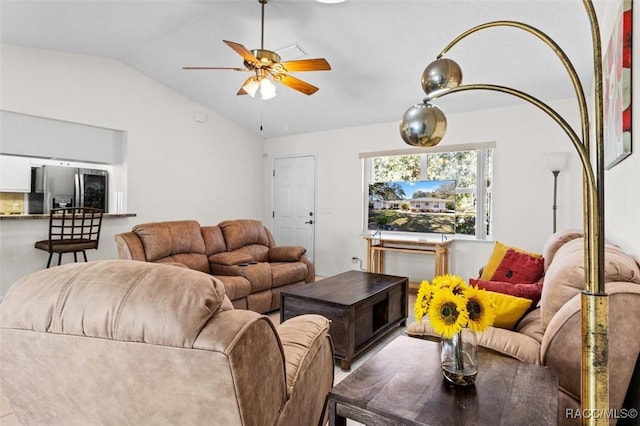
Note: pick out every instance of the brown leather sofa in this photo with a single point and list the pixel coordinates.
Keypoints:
(122, 342)
(241, 253)
(551, 334)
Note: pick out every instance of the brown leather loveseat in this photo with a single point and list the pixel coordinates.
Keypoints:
(118, 342)
(241, 253)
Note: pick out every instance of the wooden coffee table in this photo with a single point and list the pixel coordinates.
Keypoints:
(403, 384)
(362, 306)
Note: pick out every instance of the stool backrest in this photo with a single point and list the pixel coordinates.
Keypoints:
(75, 223)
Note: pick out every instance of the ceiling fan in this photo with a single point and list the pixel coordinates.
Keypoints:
(266, 65)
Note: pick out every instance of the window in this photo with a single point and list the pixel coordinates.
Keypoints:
(444, 185)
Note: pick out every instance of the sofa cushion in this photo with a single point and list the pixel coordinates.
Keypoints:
(531, 325)
(116, 299)
(531, 291)
(287, 273)
(235, 287)
(496, 258)
(517, 267)
(565, 276)
(163, 239)
(243, 232)
(195, 261)
(509, 309)
(556, 241)
(213, 240)
(515, 345)
(258, 252)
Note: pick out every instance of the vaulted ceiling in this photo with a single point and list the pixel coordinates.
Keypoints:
(377, 50)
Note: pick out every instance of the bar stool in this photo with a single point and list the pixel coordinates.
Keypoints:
(72, 230)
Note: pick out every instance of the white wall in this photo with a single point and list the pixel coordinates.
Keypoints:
(175, 168)
(523, 186)
(522, 134)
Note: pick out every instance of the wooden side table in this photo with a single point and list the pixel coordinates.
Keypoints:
(403, 384)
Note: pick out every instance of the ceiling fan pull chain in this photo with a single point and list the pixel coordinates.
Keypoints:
(261, 105)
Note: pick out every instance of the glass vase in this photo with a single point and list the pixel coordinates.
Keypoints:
(459, 358)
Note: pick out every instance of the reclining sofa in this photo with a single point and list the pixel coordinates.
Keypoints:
(241, 253)
(550, 334)
(119, 342)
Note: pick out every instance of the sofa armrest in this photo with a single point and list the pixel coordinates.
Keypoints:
(129, 247)
(562, 343)
(286, 253)
(506, 342)
(230, 258)
(302, 337)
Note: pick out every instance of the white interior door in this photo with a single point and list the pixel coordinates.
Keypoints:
(294, 202)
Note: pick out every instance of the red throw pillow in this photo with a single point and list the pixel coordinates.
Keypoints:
(517, 267)
(531, 291)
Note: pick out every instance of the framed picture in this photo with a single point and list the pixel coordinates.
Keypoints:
(617, 89)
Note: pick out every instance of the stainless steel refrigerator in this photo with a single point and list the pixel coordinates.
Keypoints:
(59, 186)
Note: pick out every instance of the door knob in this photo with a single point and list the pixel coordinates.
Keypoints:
(310, 222)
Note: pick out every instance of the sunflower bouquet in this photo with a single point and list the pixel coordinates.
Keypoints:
(451, 305)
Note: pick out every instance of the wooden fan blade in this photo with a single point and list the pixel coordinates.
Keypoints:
(242, 51)
(297, 84)
(216, 68)
(317, 64)
(241, 91)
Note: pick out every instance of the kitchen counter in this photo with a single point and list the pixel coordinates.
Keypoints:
(25, 216)
(19, 233)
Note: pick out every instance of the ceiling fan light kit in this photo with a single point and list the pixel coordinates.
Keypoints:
(266, 66)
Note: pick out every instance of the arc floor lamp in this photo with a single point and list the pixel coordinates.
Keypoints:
(556, 162)
(424, 125)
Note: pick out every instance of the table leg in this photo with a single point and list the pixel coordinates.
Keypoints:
(345, 364)
(445, 260)
(441, 260)
(334, 418)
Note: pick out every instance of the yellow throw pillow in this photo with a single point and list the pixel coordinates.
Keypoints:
(509, 309)
(499, 250)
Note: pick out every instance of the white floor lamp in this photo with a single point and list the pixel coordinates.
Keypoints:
(556, 162)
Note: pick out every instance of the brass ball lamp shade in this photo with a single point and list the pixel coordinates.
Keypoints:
(424, 125)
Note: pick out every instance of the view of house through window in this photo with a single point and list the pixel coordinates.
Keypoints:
(440, 192)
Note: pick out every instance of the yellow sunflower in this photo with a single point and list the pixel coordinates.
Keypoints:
(481, 312)
(447, 312)
(423, 298)
(453, 282)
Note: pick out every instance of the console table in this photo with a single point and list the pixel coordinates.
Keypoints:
(377, 247)
(402, 384)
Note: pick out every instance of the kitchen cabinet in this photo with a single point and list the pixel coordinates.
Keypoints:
(15, 174)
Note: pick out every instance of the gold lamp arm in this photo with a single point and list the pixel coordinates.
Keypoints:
(575, 140)
(573, 75)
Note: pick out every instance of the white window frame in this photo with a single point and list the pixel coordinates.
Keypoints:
(480, 191)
